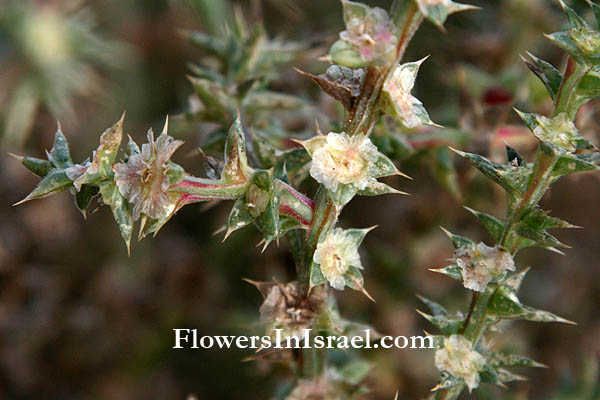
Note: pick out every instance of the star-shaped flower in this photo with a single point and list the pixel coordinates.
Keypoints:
(481, 264)
(144, 181)
(347, 165)
(459, 359)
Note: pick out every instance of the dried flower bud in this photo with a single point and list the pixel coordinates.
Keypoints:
(369, 36)
(481, 264)
(398, 100)
(287, 309)
(144, 181)
(459, 359)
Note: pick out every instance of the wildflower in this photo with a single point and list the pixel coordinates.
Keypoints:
(335, 255)
(347, 165)
(400, 103)
(458, 358)
(481, 264)
(344, 160)
(143, 179)
(369, 36)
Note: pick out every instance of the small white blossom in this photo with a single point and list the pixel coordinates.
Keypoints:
(143, 179)
(344, 160)
(481, 263)
(335, 255)
(402, 104)
(459, 359)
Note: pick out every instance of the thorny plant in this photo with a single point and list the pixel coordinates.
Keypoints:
(367, 78)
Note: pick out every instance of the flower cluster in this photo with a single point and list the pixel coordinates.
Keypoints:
(458, 358)
(481, 264)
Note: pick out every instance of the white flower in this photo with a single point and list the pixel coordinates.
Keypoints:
(481, 263)
(335, 255)
(344, 160)
(401, 103)
(349, 165)
(458, 358)
(143, 179)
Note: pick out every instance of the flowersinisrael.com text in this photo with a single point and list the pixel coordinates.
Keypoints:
(189, 338)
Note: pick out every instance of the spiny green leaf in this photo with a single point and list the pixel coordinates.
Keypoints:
(453, 271)
(120, 209)
(236, 161)
(55, 181)
(514, 281)
(496, 172)
(239, 216)
(36, 165)
(84, 196)
(438, 13)
(548, 74)
(437, 309)
(208, 44)
(505, 305)
(448, 326)
(60, 154)
(542, 238)
(494, 226)
(596, 9)
(539, 220)
(375, 188)
(574, 163)
(104, 156)
(500, 360)
(457, 241)
(316, 276)
(269, 101)
(218, 103)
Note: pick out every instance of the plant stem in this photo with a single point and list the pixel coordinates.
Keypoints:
(538, 184)
(359, 121)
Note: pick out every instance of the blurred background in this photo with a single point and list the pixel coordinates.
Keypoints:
(79, 319)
